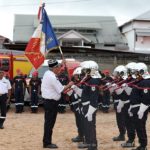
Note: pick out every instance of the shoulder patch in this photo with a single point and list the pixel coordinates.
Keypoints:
(93, 88)
(145, 91)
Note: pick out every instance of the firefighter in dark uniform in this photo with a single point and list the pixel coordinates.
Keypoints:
(34, 91)
(19, 86)
(126, 105)
(106, 93)
(119, 73)
(140, 103)
(5, 91)
(63, 78)
(89, 98)
(75, 103)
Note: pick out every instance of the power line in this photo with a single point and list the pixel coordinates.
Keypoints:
(47, 3)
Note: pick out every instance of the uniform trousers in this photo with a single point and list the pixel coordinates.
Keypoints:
(34, 101)
(120, 119)
(129, 123)
(140, 127)
(90, 130)
(50, 108)
(3, 108)
(19, 99)
(79, 123)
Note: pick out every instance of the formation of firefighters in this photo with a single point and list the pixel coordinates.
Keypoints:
(129, 88)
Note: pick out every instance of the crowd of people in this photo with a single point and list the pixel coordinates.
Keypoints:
(88, 91)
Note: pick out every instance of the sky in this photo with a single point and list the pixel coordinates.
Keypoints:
(122, 10)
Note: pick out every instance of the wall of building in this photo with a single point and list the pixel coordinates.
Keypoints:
(106, 60)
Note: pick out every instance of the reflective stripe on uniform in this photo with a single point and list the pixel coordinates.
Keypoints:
(1, 117)
(86, 103)
(34, 106)
(19, 103)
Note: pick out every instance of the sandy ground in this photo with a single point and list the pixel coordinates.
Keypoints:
(25, 131)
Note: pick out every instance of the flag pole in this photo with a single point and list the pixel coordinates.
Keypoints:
(66, 68)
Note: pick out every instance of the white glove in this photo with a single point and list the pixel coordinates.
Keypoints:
(128, 90)
(108, 84)
(119, 91)
(78, 110)
(77, 90)
(112, 87)
(90, 112)
(124, 86)
(69, 93)
(141, 111)
(129, 111)
(120, 106)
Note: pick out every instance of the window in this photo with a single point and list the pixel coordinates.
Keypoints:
(4, 64)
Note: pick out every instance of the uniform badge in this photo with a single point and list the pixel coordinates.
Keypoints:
(145, 91)
(93, 88)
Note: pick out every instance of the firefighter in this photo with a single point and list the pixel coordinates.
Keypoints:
(106, 93)
(89, 98)
(124, 105)
(63, 78)
(140, 104)
(19, 86)
(34, 91)
(120, 74)
(76, 107)
(5, 92)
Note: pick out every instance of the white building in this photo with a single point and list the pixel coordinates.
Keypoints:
(137, 33)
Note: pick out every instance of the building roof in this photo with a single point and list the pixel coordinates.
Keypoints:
(144, 16)
(106, 28)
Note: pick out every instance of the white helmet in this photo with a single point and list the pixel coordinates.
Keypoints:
(131, 65)
(120, 71)
(77, 71)
(142, 69)
(131, 69)
(91, 67)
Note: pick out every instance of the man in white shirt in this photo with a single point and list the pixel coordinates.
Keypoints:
(51, 89)
(5, 88)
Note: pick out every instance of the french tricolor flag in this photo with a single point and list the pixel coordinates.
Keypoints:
(42, 41)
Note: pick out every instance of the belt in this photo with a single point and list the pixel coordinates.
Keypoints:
(126, 102)
(86, 103)
(136, 105)
(116, 101)
(73, 103)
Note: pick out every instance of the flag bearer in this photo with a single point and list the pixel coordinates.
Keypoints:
(89, 98)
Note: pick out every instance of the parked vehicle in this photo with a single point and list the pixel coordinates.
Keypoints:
(70, 63)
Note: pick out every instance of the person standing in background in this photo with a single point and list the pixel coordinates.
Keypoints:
(19, 86)
(5, 92)
(34, 91)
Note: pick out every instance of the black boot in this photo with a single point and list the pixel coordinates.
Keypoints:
(1, 126)
(77, 139)
(128, 144)
(140, 148)
(119, 138)
(82, 145)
